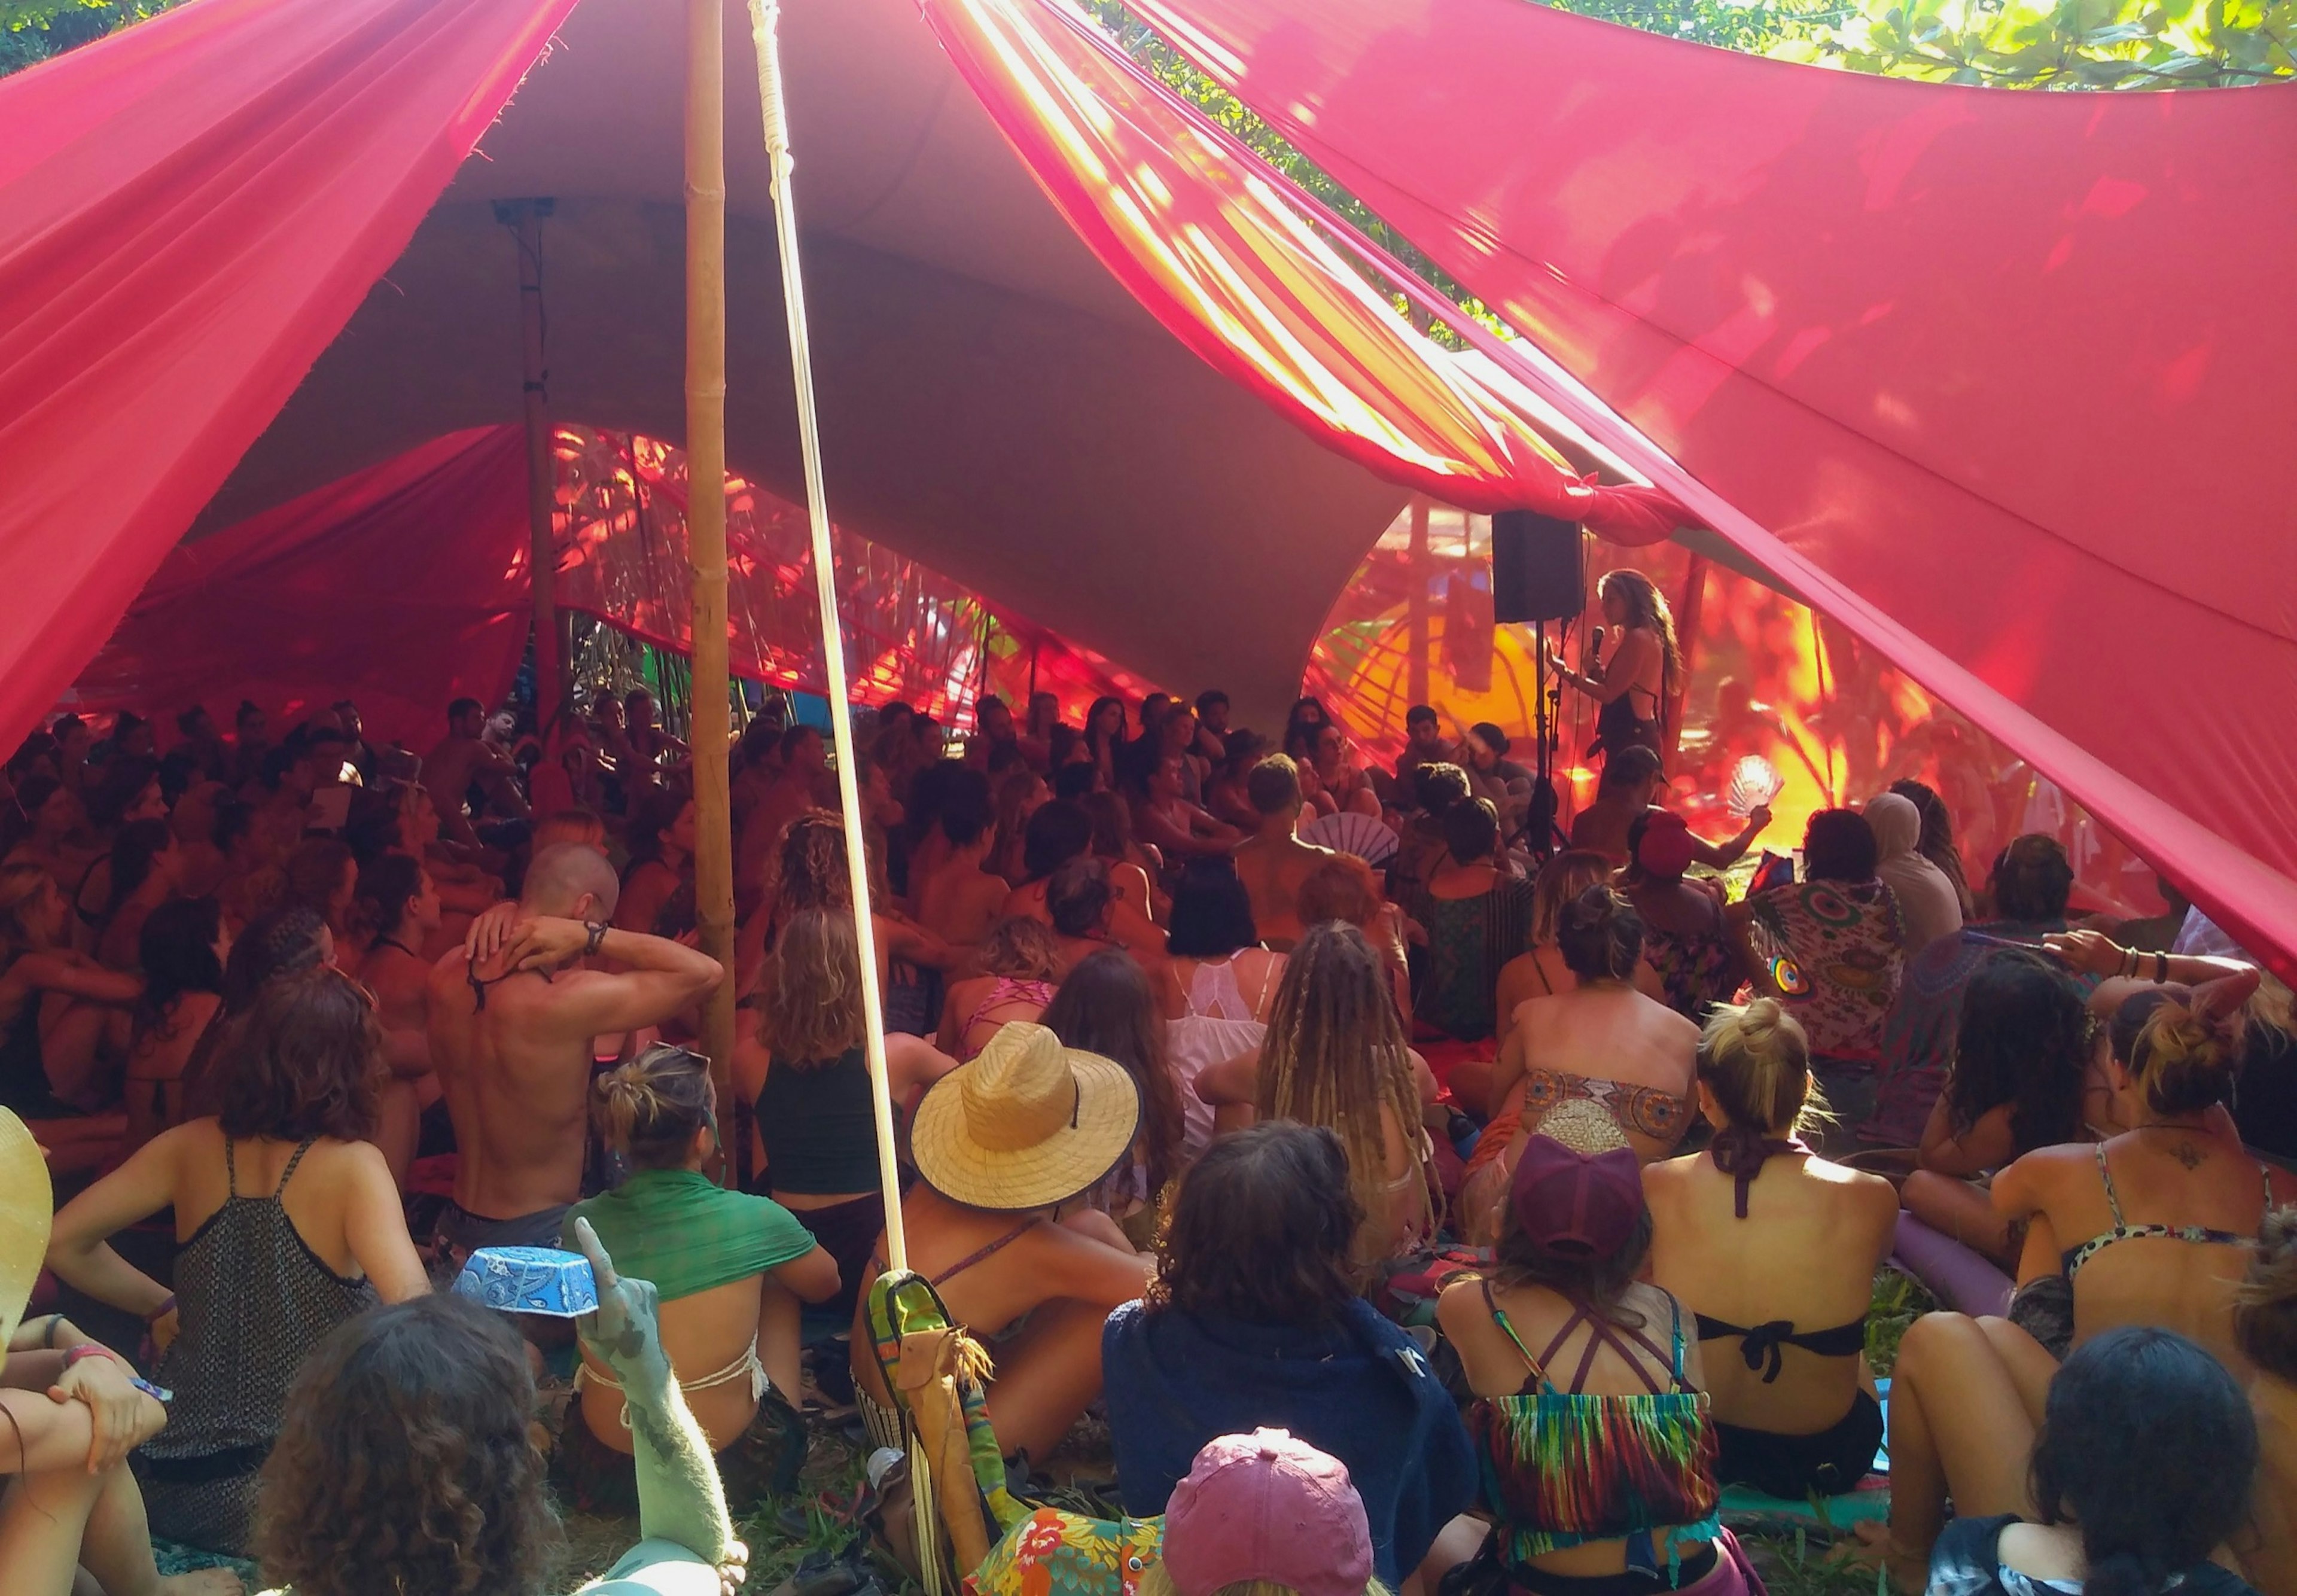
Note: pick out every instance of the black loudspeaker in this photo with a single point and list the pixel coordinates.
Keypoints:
(1539, 568)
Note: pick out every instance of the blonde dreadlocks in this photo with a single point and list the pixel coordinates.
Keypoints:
(1335, 1057)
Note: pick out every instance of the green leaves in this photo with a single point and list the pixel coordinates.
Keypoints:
(2057, 43)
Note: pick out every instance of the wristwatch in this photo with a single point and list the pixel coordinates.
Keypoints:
(598, 929)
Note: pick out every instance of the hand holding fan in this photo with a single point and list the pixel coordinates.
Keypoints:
(1754, 782)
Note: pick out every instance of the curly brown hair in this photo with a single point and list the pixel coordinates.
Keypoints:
(404, 1462)
(809, 865)
(305, 1060)
(1261, 1230)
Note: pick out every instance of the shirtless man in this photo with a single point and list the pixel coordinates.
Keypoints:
(511, 1015)
(1163, 816)
(464, 757)
(1274, 861)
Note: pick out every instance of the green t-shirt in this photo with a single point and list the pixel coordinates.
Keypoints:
(686, 1234)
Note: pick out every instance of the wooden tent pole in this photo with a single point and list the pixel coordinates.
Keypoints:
(705, 515)
(524, 218)
(765, 17)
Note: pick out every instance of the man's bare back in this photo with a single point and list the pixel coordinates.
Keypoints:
(1272, 868)
(512, 1018)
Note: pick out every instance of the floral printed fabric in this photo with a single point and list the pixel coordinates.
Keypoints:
(1053, 1553)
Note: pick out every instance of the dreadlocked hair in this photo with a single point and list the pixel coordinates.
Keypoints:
(1335, 1056)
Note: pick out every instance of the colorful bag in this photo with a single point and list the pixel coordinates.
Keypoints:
(1053, 1553)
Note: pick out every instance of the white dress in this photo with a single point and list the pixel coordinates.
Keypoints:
(1219, 1025)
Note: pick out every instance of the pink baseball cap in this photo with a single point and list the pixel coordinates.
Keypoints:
(1265, 1506)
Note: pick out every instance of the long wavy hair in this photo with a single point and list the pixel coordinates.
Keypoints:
(177, 950)
(1106, 1007)
(1335, 1056)
(811, 1011)
(2024, 1040)
(404, 1462)
(1261, 1230)
(809, 865)
(1647, 608)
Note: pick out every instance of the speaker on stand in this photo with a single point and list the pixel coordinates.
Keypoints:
(1539, 574)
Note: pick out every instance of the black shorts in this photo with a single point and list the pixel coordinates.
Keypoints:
(1794, 1467)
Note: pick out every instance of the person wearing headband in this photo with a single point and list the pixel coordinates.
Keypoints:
(1005, 1147)
(1775, 1250)
(1596, 1439)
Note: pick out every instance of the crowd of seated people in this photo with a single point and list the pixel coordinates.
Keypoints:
(1178, 1094)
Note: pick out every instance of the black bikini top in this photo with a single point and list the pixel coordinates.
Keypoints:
(1740, 1151)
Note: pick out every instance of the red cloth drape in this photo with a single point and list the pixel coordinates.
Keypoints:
(190, 209)
(2003, 381)
(403, 587)
(1188, 220)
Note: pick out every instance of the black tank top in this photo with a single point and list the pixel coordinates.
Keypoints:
(820, 1130)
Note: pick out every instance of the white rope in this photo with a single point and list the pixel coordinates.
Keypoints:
(765, 16)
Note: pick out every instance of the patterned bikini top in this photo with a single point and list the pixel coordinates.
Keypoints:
(1566, 1468)
(2075, 1257)
(1644, 1110)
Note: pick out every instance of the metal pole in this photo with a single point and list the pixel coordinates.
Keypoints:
(524, 218)
(705, 515)
(765, 17)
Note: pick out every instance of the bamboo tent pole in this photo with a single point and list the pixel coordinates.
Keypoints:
(765, 18)
(705, 516)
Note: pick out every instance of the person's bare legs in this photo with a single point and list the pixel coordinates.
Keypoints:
(1959, 1425)
(778, 1311)
(1470, 1085)
(1046, 1376)
(42, 1520)
(118, 1549)
(1960, 1210)
(2031, 1367)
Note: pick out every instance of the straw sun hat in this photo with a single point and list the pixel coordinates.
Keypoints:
(27, 1208)
(1027, 1124)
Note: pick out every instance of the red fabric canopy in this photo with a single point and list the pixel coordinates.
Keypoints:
(189, 212)
(2004, 381)
(322, 599)
(329, 596)
(1187, 219)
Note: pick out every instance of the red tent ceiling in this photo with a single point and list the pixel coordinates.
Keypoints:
(2005, 381)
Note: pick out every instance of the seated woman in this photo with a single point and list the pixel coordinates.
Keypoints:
(2118, 1475)
(1540, 972)
(1020, 795)
(73, 1414)
(1601, 1041)
(400, 909)
(1223, 984)
(1062, 831)
(60, 1013)
(1254, 1321)
(1134, 869)
(1007, 1147)
(323, 877)
(807, 1072)
(2153, 1226)
(1019, 966)
(145, 867)
(405, 1463)
(1775, 1249)
(262, 1274)
(729, 1270)
(1335, 1057)
(1686, 937)
(1108, 1007)
(181, 949)
(1832, 948)
(1590, 1423)
(1477, 915)
(658, 884)
(809, 871)
(2265, 1329)
(2022, 1067)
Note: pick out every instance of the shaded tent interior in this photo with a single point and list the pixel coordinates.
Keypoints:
(992, 402)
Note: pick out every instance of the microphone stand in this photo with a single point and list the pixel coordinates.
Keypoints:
(1543, 834)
